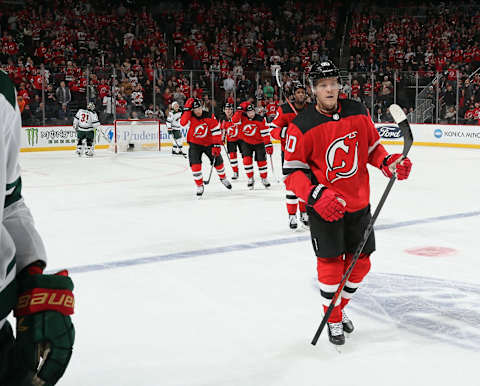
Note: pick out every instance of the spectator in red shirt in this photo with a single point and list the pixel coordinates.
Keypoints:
(121, 107)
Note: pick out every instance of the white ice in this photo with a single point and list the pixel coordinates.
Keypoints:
(244, 316)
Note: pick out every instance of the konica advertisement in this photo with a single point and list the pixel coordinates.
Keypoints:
(433, 135)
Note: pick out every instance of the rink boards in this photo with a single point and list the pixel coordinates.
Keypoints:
(51, 138)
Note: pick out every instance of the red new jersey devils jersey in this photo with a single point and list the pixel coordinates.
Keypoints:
(336, 149)
(252, 131)
(231, 131)
(271, 109)
(203, 131)
(279, 125)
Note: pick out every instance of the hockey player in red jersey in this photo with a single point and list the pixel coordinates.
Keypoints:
(232, 134)
(255, 139)
(327, 150)
(285, 114)
(204, 136)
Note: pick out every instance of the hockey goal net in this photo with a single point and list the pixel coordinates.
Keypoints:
(135, 135)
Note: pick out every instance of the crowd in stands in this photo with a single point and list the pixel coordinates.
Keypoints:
(434, 41)
(133, 62)
(113, 56)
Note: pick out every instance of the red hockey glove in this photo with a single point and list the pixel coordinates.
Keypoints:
(269, 148)
(329, 204)
(188, 104)
(243, 106)
(216, 150)
(392, 164)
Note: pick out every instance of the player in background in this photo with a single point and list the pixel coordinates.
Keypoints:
(85, 123)
(327, 150)
(204, 136)
(255, 139)
(232, 135)
(42, 304)
(175, 129)
(271, 109)
(285, 114)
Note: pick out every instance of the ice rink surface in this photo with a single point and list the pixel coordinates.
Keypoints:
(171, 290)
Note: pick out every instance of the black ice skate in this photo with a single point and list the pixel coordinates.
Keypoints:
(292, 221)
(347, 323)
(200, 190)
(250, 183)
(335, 333)
(235, 176)
(265, 183)
(226, 183)
(304, 218)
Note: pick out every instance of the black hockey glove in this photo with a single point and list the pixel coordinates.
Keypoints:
(45, 333)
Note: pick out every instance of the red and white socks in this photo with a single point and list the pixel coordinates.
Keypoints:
(197, 174)
(330, 272)
(362, 267)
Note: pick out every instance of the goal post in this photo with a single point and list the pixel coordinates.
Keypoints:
(136, 135)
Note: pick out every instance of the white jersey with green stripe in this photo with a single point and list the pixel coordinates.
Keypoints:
(20, 243)
(173, 120)
(85, 120)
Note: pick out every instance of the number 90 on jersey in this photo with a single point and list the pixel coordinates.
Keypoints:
(291, 143)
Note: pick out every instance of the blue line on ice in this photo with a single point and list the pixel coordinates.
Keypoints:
(247, 246)
(437, 309)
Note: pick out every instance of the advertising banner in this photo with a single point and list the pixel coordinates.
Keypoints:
(467, 136)
(46, 138)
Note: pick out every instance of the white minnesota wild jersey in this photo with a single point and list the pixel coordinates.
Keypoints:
(20, 243)
(85, 120)
(173, 120)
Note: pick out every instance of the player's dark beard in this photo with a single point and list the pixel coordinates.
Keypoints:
(300, 104)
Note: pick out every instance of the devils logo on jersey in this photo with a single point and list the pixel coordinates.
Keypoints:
(233, 131)
(200, 131)
(342, 157)
(249, 130)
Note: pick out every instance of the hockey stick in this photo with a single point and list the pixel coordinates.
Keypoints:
(279, 83)
(207, 181)
(401, 119)
(273, 170)
(228, 156)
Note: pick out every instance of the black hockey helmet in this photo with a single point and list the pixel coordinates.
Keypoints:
(229, 104)
(323, 70)
(296, 85)
(196, 103)
(250, 107)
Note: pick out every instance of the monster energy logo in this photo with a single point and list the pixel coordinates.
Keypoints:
(32, 136)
